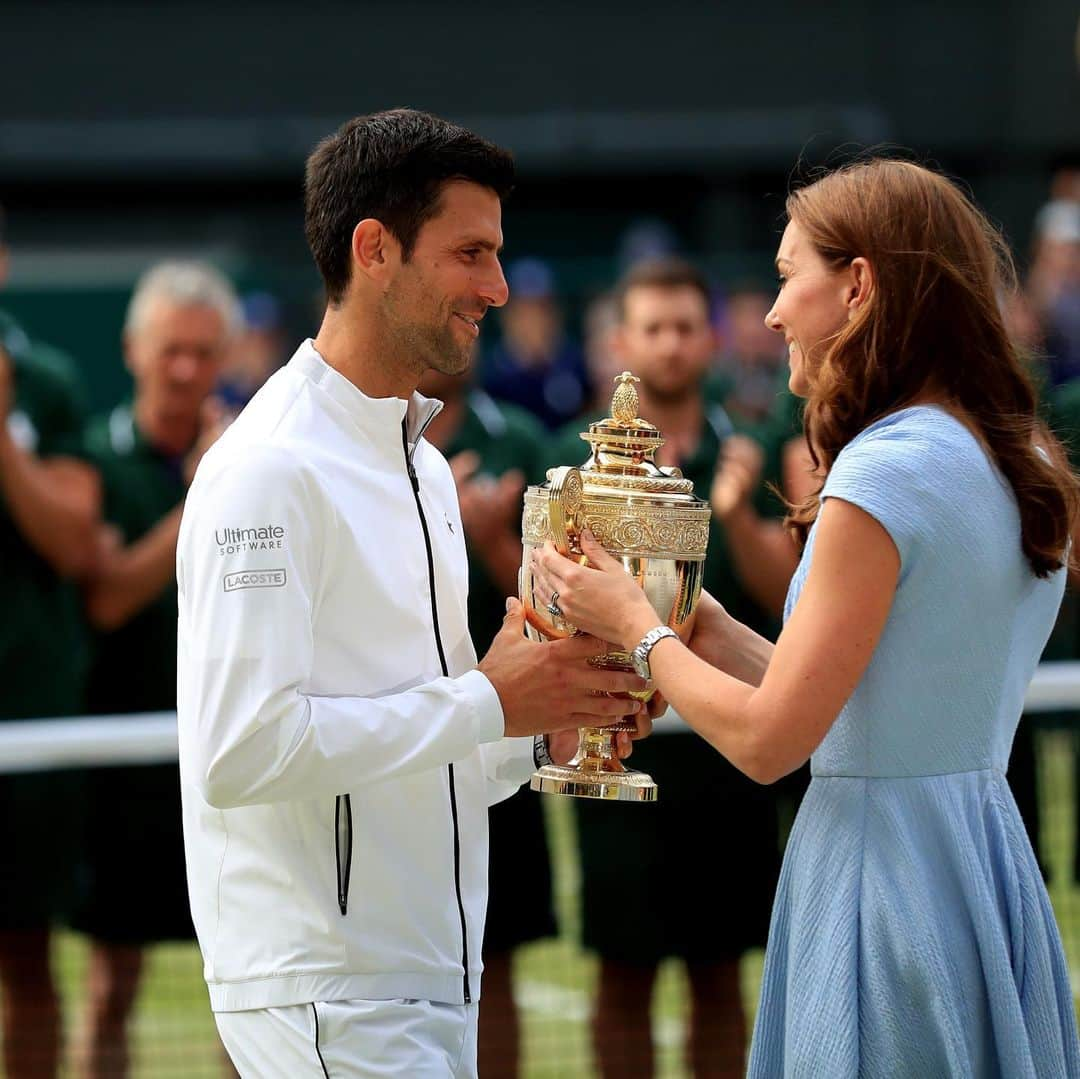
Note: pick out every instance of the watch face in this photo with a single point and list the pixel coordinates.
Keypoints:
(640, 665)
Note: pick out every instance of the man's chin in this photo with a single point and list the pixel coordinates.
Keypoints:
(452, 363)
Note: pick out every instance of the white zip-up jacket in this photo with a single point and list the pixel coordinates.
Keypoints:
(338, 749)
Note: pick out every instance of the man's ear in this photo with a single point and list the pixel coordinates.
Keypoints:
(127, 346)
(862, 284)
(374, 249)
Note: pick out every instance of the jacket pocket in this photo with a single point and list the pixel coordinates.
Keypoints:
(343, 847)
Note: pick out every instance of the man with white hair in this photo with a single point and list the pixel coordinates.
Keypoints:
(179, 326)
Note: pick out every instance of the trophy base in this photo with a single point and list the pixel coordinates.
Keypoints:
(613, 786)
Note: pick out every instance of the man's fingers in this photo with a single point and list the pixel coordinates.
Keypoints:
(614, 681)
(514, 611)
(588, 719)
(608, 708)
(582, 646)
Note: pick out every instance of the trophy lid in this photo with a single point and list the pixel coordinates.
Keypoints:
(623, 446)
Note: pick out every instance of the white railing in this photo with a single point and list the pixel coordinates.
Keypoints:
(150, 738)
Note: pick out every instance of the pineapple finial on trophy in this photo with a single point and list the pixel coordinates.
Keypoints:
(624, 402)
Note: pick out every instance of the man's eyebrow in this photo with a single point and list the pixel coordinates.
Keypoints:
(780, 258)
(487, 245)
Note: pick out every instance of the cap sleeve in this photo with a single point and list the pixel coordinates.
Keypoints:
(888, 474)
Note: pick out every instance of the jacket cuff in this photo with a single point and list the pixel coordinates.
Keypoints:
(488, 723)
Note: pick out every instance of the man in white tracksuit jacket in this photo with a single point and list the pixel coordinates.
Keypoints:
(339, 745)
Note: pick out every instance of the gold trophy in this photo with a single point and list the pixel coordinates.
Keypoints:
(647, 517)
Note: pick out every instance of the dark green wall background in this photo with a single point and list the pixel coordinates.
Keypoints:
(130, 131)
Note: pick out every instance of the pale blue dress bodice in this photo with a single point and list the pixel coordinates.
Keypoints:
(912, 934)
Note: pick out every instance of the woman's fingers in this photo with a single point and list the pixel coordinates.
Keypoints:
(598, 557)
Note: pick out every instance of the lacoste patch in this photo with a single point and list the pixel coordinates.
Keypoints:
(254, 578)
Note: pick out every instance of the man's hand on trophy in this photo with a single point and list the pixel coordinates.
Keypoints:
(551, 686)
(562, 745)
(658, 705)
(601, 598)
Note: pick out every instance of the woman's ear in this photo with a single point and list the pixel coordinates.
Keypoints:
(862, 284)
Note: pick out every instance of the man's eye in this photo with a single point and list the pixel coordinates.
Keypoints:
(471, 253)
(781, 281)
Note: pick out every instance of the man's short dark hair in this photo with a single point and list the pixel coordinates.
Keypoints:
(390, 166)
(665, 272)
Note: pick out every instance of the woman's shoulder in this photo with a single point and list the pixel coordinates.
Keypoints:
(917, 429)
(910, 470)
(922, 442)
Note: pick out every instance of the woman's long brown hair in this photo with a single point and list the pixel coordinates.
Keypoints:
(931, 324)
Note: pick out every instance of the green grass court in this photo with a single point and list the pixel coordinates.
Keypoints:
(174, 1036)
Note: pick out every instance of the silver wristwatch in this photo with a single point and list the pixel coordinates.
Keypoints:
(541, 753)
(640, 655)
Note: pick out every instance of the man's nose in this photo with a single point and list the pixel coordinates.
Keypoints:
(773, 322)
(495, 290)
(183, 367)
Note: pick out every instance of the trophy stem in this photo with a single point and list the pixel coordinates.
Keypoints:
(595, 771)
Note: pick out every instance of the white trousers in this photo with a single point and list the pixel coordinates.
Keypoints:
(353, 1039)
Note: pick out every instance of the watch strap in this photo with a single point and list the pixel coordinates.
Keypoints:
(646, 645)
(541, 753)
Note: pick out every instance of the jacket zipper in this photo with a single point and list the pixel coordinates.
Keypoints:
(446, 671)
(343, 845)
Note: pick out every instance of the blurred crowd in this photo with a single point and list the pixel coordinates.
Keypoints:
(89, 514)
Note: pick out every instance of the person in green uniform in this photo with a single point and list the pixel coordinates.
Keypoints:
(653, 855)
(49, 505)
(494, 450)
(133, 889)
(1062, 412)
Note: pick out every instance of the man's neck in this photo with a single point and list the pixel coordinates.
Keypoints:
(172, 435)
(679, 420)
(358, 348)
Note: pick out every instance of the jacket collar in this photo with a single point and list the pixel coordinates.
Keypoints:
(383, 414)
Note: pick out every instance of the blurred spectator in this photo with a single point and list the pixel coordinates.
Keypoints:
(259, 349)
(1054, 286)
(494, 451)
(643, 239)
(49, 504)
(535, 365)
(1023, 326)
(1065, 179)
(602, 363)
(133, 889)
(747, 372)
(666, 338)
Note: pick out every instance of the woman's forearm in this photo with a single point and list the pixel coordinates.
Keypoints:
(725, 643)
(709, 700)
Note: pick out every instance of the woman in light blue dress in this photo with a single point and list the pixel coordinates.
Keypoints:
(912, 934)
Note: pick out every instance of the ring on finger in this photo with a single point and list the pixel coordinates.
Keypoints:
(553, 606)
